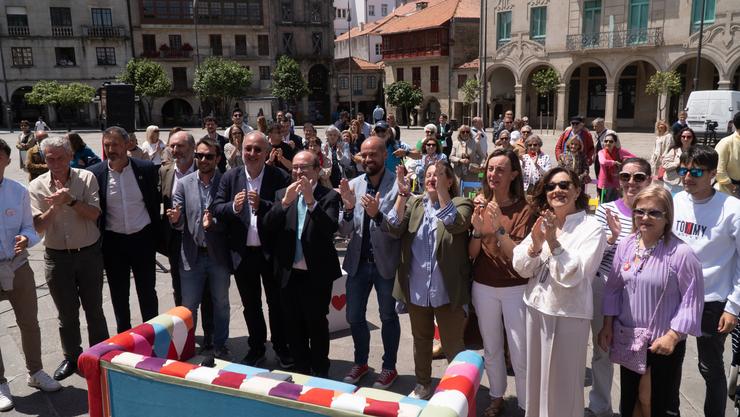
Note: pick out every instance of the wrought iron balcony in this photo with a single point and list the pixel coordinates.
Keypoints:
(615, 39)
(62, 31)
(18, 31)
(104, 32)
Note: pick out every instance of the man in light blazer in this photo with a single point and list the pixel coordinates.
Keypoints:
(371, 260)
(303, 220)
(204, 260)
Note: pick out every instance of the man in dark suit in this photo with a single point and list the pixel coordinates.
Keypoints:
(244, 196)
(295, 141)
(210, 124)
(129, 223)
(303, 220)
(444, 134)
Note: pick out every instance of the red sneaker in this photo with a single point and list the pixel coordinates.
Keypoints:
(386, 378)
(356, 373)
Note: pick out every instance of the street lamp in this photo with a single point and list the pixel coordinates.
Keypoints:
(349, 60)
(698, 50)
(197, 49)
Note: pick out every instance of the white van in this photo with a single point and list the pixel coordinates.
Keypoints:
(715, 105)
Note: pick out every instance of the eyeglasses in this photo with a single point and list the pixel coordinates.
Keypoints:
(653, 214)
(575, 123)
(563, 185)
(428, 132)
(206, 156)
(464, 132)
(429, 145)
(694, 172)
(637, 176)
(255, 149)
(237, 115)
(533, 145)
(689, 136)
(526, 132)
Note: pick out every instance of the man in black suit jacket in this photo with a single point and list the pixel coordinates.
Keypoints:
(129, 223)
(210, 124)
(303, 221)
(245, 195)
(444, 134)
(295, 141)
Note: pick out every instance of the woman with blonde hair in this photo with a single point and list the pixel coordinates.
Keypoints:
(153, 146)
(663, 142)
(233, 149)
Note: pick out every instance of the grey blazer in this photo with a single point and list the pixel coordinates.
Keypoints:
(187, 196)
(386, 249)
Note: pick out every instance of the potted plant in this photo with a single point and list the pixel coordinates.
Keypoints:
(186, 47)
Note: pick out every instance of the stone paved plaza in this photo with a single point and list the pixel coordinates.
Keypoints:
(72, 400)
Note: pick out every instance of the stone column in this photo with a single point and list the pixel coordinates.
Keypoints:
(561, 116)
(610, 113)
(666, 100)
(724, 85)
(518, 101)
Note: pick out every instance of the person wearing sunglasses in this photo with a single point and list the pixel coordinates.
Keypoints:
(153, 145)
(575, 160)
(466, 156)
(685, 139)
(709, 222)
(653, 300)
(431, 154)
(559, 259)
(576, 130)
(616, 219)
(610, 162)
(232, 150)
(728, 168)
(518, 143)
(205, 264)
(534, 162)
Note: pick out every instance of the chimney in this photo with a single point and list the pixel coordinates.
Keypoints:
(421, 5)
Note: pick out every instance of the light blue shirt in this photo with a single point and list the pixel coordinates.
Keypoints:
(426, 285)
(15, 217)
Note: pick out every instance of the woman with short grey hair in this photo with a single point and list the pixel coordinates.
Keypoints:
(534, 162)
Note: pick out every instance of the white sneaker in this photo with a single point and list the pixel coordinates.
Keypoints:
(43, 381)
(422, 392)
(6, 399)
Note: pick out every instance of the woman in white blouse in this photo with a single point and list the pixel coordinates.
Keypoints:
(534, 162)
(560, 257)
(663, 142)
(153, 146)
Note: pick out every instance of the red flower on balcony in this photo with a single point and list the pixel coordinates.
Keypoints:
(164, 47)
(186, 47)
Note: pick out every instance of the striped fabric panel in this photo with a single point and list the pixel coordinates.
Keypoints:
(625, 230)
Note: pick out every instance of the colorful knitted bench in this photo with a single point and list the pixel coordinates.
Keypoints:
(144, 372)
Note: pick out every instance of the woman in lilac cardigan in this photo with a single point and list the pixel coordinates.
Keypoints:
(655, 283)
(610, 160)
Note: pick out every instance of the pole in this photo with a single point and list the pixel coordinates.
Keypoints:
(349, 60)
(197, 50)
(483, 62)
(698, 49)
(130, 28)
(8, 111)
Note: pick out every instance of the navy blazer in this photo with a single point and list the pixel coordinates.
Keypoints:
(187, 195)
(237, 224)
(317, 239)
(147, 176)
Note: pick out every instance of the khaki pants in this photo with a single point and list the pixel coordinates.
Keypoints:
(23, 300)
(451, 324)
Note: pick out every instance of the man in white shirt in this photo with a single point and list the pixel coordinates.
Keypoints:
(709, 222)
(365, 126)
(237, 118)
(129, 221)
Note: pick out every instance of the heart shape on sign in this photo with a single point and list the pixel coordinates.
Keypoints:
(339, 301)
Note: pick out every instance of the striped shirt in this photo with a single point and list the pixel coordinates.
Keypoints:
(625, 220)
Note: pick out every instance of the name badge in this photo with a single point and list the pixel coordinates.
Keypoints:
(10, 212)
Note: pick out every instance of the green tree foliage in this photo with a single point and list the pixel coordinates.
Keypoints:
(404, 95)
(471, 91)
(663, 83)
(288, 83)
(545, 81)
(70, 96)
(149, 80)
(218, 82)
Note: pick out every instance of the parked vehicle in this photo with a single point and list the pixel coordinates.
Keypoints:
(705, 108)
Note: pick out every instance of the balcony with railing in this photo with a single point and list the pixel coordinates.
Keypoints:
(18, 31)
(615, 39)
(103, 32)
(62, 31)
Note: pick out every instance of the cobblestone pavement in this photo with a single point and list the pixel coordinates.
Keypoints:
(72, 400)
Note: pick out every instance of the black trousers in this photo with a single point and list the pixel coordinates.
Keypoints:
(174, 254)
(711, 347)
(306, 305)
(253, 267)
(123, 254)
(665, 383)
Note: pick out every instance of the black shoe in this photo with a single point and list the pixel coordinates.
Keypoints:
(208, 361)
(65, 369)
(254, 357)
(222, 352)
(285, 359)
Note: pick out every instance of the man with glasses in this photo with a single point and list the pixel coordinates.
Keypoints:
(244, 197)
(507, 125)
(576, 130)
(601, 133)
(709, 222)
(205, 262)
(237, 118)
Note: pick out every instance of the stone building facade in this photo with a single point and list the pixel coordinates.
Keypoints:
(604, 52)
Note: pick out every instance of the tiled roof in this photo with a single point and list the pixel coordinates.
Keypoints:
(358, 64)
(358, 31)
(407, 18)
(470, 65)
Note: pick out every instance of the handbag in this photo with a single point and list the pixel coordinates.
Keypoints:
(661, 172)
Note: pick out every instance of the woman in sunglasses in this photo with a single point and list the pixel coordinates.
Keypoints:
(685, 139)
(610, 161)
(466, 157)
(232, 150)
(534, 162)
(616, 219)
(431, 153)
(559, 257)
(653, 299)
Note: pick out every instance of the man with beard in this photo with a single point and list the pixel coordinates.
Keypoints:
(371, 260)
(210, 124)
(129, 222)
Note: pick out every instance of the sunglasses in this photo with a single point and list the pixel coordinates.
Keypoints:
(575, 123)
(428, 132)
(637, 176)
(526, 132)
(563, 185)
(464, 132)
(236, 115)
(608, 141)
(533, 145)
(653, 214)
(429, 145)
(694, 172)
(687, 136)
(206, 156)
(255, 149)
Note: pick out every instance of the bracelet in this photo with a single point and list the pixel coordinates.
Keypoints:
(404, 195)
(476, 235)
(532, 253)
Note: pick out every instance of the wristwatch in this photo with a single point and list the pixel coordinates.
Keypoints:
(500, 232)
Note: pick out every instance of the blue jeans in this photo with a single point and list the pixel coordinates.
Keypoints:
(358, 291)
(217, 276)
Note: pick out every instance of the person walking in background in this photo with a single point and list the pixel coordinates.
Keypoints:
(378, 114)
(444, 134)
(16, 279)
(610, 161)
(680, 124)
(153, 146)
(129, 224)
(41, 125)
(83, 156)
(663, 143)
(433, 275)
(371, 260)
(26, 140)
(560, 258)
(615, 218)
(534, 162)
(35, 162)
(728, 166)
(655, 286)
(709, 222)
(576, 130)
(501, 220)
(682, 142)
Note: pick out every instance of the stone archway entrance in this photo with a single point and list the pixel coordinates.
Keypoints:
(22, 110)
(501, 92)
(634, 108)
(177, 112)
(708, 80)
(587, 91)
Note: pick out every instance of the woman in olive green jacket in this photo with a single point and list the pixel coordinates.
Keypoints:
(433, 278)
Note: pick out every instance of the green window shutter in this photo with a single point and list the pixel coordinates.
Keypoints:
(538, 23)
(638, 21)
(709, 11)
(503, 30)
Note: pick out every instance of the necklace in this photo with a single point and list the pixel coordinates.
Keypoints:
(640, 255)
